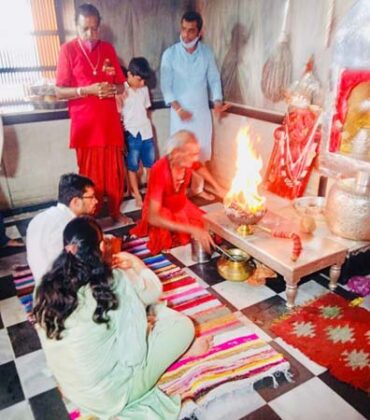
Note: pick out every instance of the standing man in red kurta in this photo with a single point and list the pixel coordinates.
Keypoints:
(89, 76)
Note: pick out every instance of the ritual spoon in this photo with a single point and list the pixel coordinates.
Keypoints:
(229, 256)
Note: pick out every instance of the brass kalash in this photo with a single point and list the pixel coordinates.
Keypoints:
(244, 207)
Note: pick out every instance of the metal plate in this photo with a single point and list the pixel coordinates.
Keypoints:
(311, 206)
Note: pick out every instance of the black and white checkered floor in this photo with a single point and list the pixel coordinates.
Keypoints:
(28, 391)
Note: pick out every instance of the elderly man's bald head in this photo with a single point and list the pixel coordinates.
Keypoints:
(180, 139)
(183, 149)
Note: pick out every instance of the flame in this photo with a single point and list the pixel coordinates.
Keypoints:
(244, 187)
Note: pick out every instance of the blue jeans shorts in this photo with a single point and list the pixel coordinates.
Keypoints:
(139, 150)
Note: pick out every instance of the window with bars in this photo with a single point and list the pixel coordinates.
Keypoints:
(29, 47)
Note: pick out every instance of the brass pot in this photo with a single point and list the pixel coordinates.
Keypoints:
(236, 270)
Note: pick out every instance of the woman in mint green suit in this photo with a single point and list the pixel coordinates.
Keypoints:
(93, 326)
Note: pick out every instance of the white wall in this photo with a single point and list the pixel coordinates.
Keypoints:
(35, 154)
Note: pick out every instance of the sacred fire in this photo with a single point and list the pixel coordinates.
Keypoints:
(243, 203)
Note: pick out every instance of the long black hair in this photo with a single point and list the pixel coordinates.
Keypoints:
(79, 264)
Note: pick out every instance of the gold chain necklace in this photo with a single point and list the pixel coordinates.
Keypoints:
(93, 68)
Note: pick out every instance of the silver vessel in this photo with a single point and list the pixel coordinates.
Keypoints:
(348, 207)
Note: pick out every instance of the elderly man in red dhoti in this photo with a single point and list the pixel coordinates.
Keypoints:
(169, 219)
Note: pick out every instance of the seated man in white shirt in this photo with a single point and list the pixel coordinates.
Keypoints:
(76, 197)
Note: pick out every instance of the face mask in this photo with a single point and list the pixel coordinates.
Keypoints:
(189, 45)
(90, 44)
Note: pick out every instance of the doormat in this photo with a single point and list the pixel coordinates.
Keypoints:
(334, 334)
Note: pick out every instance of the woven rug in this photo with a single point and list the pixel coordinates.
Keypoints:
(334, 334)
(238, 357)
(24, 285)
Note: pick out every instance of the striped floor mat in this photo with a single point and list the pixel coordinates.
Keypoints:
(24, 285)
(238, 358)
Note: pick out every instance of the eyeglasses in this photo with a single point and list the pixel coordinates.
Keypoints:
(89, 197)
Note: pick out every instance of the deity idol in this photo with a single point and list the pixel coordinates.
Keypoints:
(296, 140)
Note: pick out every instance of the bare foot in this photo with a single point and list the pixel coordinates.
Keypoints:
(206, 196)
(13, 243)
(200, 346)
(123, 219)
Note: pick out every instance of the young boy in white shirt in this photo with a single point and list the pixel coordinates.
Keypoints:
(138, 128)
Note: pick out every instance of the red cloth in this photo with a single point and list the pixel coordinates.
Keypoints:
(349, 79)
(94, 163)
(94, 122)
(175, 206)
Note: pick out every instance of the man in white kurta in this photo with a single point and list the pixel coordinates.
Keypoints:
(188, 71)
(76, 197)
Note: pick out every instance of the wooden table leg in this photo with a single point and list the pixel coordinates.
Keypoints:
(291, 293)
(334, 275)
